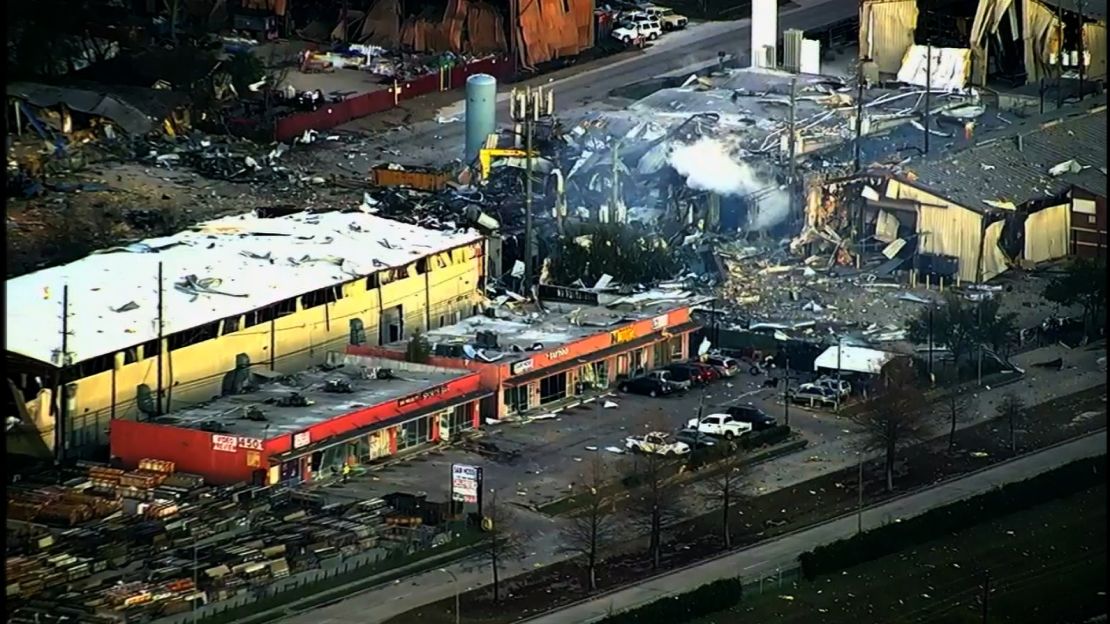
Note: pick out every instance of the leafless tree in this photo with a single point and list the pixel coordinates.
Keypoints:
(595, 525)
(653, 505)
(723, 489)
(894, 415)
(501, 540)
(955, 410)
(1010, 408)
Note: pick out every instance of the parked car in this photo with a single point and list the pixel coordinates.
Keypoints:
(759, 419)
(694, 438)
(656, 443)
(832, 383)
(813, 396)
(651, 386)
(638, 28)
(667, 17)
(725, 365)
(710, 373)
(720, 425)
(686, 374)
(679, 380)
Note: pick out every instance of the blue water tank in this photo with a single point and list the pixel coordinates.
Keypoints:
(481, 112)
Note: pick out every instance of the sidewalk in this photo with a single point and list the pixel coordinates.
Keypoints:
(382, 603)
(782, 553)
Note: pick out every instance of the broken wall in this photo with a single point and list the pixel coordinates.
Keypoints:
(1041, 36)
(550, 29)
(988, 16)
(948, 229)
(1047, 234)
(886, 30)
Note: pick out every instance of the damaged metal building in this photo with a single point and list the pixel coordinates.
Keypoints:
(1032, 194)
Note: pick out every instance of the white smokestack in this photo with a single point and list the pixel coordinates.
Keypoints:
(765, 33)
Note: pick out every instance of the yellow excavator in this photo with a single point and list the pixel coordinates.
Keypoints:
(491, 151)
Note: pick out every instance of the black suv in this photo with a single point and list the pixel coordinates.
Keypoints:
(757, 417)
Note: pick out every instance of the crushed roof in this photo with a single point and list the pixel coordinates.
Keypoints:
(254, 262)
(998, 170)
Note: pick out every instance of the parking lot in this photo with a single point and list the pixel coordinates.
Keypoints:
(537, 461)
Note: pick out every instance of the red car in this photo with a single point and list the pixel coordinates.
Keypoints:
(710, 373)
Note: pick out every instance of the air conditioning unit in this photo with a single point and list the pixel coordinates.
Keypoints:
(792, 50)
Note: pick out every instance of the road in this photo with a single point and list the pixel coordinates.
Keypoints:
(830, 450)
(760, 561)
(423, 142)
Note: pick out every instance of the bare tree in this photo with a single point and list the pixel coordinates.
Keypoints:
(724, 489)
(955, 410)
(595, 525)
(501, 540)
(894, 415)
(654, 504)
(1010, 408)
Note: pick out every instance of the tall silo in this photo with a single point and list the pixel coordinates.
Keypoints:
(481, 112)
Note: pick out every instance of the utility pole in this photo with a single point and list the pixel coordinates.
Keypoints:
(161, 332)
(61, 425)
(532, 103)
(1079, 11)
(859, 115)
(614, 201)
(928, 88)
(859, 496)
(793, 144)
(1060, 59)
(839, 348)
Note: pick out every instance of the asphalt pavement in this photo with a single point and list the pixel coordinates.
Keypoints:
(832, 448)
(782, 553)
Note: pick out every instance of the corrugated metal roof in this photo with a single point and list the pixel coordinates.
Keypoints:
(999, 171)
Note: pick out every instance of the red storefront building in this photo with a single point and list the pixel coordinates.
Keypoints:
(539, 364)
(294, 428)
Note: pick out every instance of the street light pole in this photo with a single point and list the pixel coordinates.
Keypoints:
(786, 393)
(455, 582)
(839, 348)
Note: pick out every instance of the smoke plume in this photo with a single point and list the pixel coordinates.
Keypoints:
(707, 166)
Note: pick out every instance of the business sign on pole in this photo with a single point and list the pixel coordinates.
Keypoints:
(466, 482)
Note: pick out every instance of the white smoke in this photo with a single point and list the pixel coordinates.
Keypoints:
(707, 166)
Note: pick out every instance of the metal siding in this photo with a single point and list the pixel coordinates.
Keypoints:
(1046, 234)
(190, 450)
(894, 24)
(945, 228)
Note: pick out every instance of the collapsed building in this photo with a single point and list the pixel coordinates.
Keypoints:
(1028, 195)
(1011, 42)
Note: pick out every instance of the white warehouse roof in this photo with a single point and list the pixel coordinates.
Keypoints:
(854, 360)
(250, 262)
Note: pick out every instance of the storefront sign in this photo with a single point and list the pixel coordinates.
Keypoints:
(659, 322)
(522, 367)
(231, 444)
(558, 353)
(466, 482)
(623, 334)
(427, 394)
(303, 438)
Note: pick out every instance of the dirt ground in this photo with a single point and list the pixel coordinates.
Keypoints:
(781, 511)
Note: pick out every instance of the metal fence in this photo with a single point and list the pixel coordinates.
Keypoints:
(772, 583)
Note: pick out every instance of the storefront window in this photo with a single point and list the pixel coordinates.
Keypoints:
(601, 373)
(516, 399)
(553, 388)
(460, 419)
(413, 433)
(676, 347)
(660, 352)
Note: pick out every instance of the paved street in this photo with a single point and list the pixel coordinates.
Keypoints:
(758, 561)
(423, 142)
(831, 449)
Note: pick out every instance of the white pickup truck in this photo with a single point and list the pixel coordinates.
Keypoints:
(720, 425)
(657, 443)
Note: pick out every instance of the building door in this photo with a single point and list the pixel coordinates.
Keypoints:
(392, 325)
(379, 444)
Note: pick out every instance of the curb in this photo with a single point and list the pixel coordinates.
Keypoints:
(807, 527)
